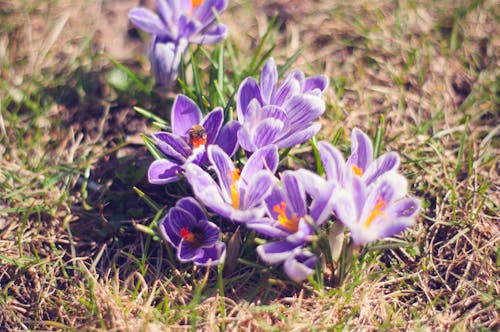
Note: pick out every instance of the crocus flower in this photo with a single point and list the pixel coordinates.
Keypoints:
(360, 163)
(237, 195)
(376, 211)
(293, 221)
(190, 136)
(279, 114)
(179, 23)
(195, 238)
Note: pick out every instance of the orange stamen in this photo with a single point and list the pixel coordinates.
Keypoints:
(377, 211)
(290, 224)
(358, 171)
(234, 176)
(195, 3)
(187, 235)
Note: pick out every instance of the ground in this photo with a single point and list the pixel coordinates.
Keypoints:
(74, 253)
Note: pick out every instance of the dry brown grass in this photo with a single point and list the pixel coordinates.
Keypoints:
(429, 68)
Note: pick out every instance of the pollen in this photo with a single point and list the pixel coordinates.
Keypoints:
(356, 170)
(195, 3)
(291, 224)
(234, 176)
(377, 211)
(187, 235)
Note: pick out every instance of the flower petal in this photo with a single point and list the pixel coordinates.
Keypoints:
(179, 218)
(185, 114)
(163, 171)
(302, 109)
(248, 90)
(288, 88)
(268, 227)
(205, 12)
(266, 131)
(333, 162)
(168, 233)
(212, 123)
(296, 196)
(224, 168)
(148, 21)
(264, 158)
(213, 35)
(361, 150)
(193, 207)
(258, 188)
(211, 233)
(245, 140)
(228, 137)
(293, 138)
(187, 252)
(319, 82)
(300, 265)
(213, 255)
(172, 145)
(268, 80)
(385, 163)
(275, 252)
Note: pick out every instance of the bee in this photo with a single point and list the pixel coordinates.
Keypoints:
(197, 136)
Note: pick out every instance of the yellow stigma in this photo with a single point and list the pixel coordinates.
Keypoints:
(290, 224)
(377, 211)
(358, 171)
(234, 176)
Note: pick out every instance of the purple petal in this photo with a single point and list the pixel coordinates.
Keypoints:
(268, 80)
(361, 150)
(266, 131)
(304, 231)
(258, 188)
(303, 109)
(165, 58)
(319, 82)
(187, 252)
(345, 208)
(211, 233)
(165, 12)
(246, 215)
(311, 182)
(185, 114)
(224, 168)
(163, 171)
(168, 233)
(288, 88)
(275, 252)
(268, 227)
(204, 13)
(172, 145)
(300, 265)
(404, 208)
(148, 21)
(248, 90)
(213, 255)
(212, 124)
(179, 218)
(228, 137)
(385, 163)
(187, 27)
(257, 114)
(264, 158)
(400, 215)
(193, 207)
(296, 196)
(245, 140)
(333, 162)
(298, 137)
(212, 36)
(322, 206)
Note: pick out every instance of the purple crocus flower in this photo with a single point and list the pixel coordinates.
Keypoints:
(196, 239)
(359, 164)
(293, 222)
(179, 23)
(236, 196)
(190, 136)
(375, 211)
(279, 114)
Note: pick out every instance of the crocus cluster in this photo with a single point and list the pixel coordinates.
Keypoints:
(178, 24)
(290, 209)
